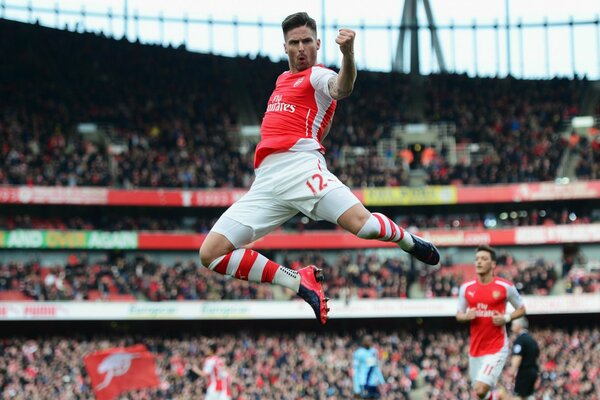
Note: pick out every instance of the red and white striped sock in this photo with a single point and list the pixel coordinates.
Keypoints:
(380, 227)
(492, 395)
(249, 265)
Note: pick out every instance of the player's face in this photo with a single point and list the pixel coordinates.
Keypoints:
(483, 263)
(301, 46)
(515, 328)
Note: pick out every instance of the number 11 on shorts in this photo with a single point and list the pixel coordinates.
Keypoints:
(488, 369)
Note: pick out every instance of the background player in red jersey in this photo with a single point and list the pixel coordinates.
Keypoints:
(214, 371)
(292, 175)
(482, 302)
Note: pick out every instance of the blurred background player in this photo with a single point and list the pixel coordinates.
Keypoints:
(524, 361)
(216, 375)
(367, 376)
(482, 302)
(292, 175)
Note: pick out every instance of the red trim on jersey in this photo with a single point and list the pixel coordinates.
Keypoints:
(246, 264)
(269, 271)
(222, 266)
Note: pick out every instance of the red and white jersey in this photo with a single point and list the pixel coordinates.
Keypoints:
(227, 384)
(299, 110)
(218, 379)
(486, 338)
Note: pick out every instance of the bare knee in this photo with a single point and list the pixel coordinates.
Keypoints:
(205, 255)
(354, 218)
(481, 390)
(214, 246)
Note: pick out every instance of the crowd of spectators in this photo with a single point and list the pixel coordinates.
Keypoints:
(141, 278)
(190, 221)
(173, 110)
(533, 277)
(587, 149)
(583, 280)
(144, 278)
(173, 117)
(301, 365)
(348, 276)
(524, 130)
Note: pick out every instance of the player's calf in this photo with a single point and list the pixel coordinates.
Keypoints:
(380, 227)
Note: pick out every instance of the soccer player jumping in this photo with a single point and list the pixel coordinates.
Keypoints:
(292, 175)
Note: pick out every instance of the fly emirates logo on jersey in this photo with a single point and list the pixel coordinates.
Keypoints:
(276, 105)
(481, 310)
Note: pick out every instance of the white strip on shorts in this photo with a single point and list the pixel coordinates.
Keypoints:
(488, 368)
(286, 183)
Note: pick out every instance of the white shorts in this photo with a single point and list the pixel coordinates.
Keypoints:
(214, 395)
(488, 368)
(286, 183)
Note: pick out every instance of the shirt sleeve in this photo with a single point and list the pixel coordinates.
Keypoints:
(517, 349)
(512, 294)
(208, 365)
(319, 78)
(462, 300)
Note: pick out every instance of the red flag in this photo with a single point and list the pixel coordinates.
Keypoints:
(120, 369)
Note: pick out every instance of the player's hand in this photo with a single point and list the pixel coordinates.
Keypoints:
(470, 314)
(345, 39)
(498, 319)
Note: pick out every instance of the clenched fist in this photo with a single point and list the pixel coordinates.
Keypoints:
(345, 39)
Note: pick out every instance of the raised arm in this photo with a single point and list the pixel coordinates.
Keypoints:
(341, 86)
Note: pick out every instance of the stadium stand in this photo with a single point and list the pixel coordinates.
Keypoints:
(350, 275)
(80, 111)
(283, 365)
(170, 118)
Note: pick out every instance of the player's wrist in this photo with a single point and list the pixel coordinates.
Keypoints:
(507, 318)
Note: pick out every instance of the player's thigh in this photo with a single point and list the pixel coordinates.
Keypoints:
(224, 396)
(256, 214)
(474, 367)
(212, 394)
(340, 206)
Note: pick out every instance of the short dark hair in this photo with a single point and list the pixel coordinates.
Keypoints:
(485, 247)
(213, 347)
(298, 19)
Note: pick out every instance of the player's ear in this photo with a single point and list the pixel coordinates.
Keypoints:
(318, 44)
(285, 48)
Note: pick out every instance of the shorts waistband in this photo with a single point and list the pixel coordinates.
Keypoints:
(287, 156)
